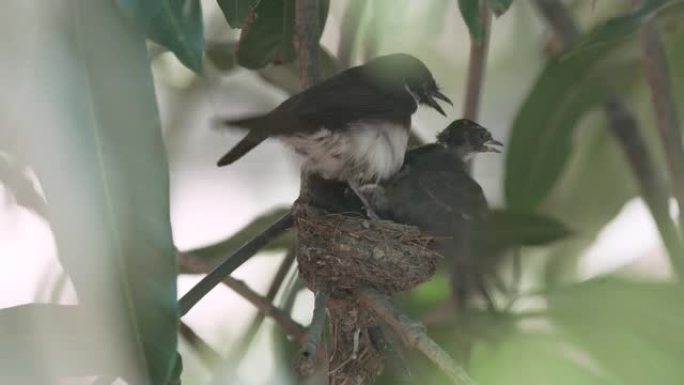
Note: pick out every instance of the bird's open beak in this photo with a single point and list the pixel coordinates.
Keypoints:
(430, 101)
(490, 146)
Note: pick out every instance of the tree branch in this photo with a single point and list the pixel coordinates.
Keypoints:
(305, 363)
(307, 36)
(476, 65)
(233, 262)
(246, 340)
(208, 355)
(413, 334)
(289, 326)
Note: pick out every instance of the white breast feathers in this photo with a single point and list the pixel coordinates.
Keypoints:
(367, 152)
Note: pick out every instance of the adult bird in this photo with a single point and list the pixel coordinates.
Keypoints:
(434, 192)
(352, 127)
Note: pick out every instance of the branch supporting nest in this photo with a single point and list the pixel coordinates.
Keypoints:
(412, 334)
(305, 362)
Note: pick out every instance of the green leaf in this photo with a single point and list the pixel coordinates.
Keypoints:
(42, 343)
(542, 133)
(628, 329)
(222, 55)
(269, 38)
(216, 253)
(620, 28)
(470, 11)
(237, 11)
(175, 24)
(499, 7)
(101, 164)
(504, 229)
(533, 359)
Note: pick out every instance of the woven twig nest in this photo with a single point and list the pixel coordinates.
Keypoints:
(344, 252)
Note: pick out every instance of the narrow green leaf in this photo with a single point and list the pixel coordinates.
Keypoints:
(470, 11)
(499, 7)
(175, 24)
(218, 252)
(269, 37)
(541, 136)
(101, 163)
(237, 11)
(620, 28)
(505, 229)
(628, 329)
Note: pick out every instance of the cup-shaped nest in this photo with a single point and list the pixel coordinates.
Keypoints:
(345, 252)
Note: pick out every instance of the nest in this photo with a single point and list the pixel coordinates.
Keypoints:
(342, 252)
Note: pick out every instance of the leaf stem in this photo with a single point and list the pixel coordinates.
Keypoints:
(306, 42)
(209, 356)
(233, 262)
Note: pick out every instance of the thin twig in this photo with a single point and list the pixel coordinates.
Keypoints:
(209, 356)
(658, 77)
(623, 125)
(476, 65)
(289, 326)
(233, 262)
(307, 35)
(413, 334)
(305, 363)
(246, 340)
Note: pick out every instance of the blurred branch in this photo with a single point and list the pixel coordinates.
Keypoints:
(305, 362)
(476, 65)
(413, 334)
(246, 340)
(233, 262)
(623, 125)
(306, 42)
(289, 326)
(349, 30)
(658, 77)
(209, 356)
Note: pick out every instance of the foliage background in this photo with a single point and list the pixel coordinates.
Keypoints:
(85, 190)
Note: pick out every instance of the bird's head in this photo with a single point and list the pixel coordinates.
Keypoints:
(407, 73)
(468, 138)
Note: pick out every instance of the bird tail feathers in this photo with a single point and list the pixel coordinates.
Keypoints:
(258, 132)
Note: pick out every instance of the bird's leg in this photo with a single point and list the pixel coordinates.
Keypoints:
(359, 193)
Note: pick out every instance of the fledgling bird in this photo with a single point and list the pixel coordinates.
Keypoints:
(434, 192)
(353, 126)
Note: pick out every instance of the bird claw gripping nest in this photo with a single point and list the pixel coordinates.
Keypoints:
(340, 254)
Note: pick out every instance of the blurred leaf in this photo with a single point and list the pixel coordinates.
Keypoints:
(22, 188)
(629, 329)
(500, 6)
(541, 136)
(533, 359)
(470, 11)
(269, 37)
(222, 55)
(58, 334)
(237, 11)
(101, 163)
(620, 28)
(504, 229)
(175, 24)
(216, 253)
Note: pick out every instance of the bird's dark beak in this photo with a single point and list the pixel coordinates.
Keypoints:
(489, 146)
(430, 101)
